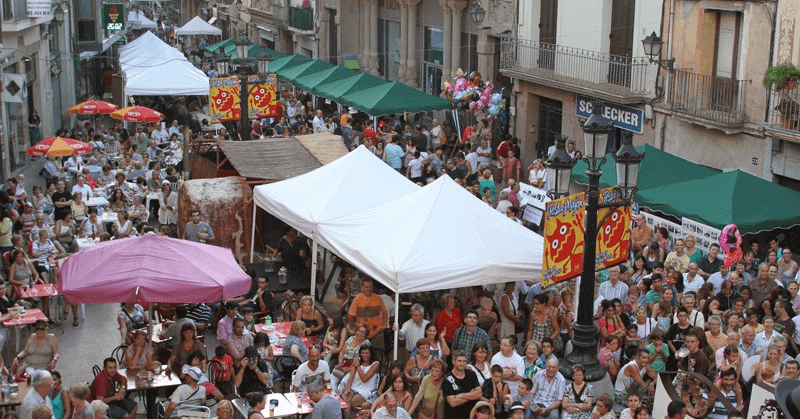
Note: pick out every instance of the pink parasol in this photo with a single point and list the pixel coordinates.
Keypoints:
(153, 269)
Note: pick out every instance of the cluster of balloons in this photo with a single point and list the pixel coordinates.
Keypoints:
(474, 95)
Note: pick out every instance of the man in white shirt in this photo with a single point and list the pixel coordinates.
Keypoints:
(160, 135)
(717, 278)
(512, 363)
(174, 129)
(696, 318)
(437, 138)
(318, 122)
(414, 328)
(614, 288)
(484, 153)
(692, 281)
(41, 382)
(83, 187)
(312, 371)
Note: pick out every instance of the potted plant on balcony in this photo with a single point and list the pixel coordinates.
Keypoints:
(790, 113)
(784, 76)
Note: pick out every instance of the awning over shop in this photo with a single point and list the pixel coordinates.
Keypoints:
(394, 97)
(198, 26)
(354, 89)
(230, 49)
(752, 203)
(138, 20)
(657, 169)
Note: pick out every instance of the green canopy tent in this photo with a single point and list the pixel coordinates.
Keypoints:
(292, 73)
(287, 62)
(657, 169)
(752, 203)
(252, 51)
(336, 90)
(394, 97)
(310, 81)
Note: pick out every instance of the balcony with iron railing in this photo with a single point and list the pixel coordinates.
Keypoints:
(620, 79)
(708, 100)
(783, 121)
(301, 18)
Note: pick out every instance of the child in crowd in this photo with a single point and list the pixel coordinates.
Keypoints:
(524, 396)
(197, 359)
(249, 319)
(659, 351)
(226, 379)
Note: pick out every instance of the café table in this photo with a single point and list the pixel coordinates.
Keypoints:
(26, 318)
(96, 201)
(283, 409)
(86, 242)
(303, 402)
(157, 329)
(161, 381)
(21, 391)
(108, 217)
(280, 330)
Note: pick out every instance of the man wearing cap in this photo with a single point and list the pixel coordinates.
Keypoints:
(326, 406)
(187, 391)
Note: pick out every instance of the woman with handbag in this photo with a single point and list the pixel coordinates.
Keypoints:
(429, 398)
(130, 318)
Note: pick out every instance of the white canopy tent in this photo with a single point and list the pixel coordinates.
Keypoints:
(438, 237)
(152, 67)
(334, 190)
(198, 26)
(408, 238)
(138, 20)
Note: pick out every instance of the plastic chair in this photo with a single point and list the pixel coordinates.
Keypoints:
(184, 410)
(286, 365)
(95, 370)
(216, 371)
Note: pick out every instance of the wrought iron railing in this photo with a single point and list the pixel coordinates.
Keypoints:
(625, 75)
(301, 17)
(712, 98)
(785, 109)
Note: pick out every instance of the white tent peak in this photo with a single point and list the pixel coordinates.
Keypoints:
(198, 26)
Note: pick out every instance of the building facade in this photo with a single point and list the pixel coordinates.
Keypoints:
(38, 71)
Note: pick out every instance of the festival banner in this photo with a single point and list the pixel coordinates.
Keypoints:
(262, 101)
(224, 99)
(614, 234)
(563, 238)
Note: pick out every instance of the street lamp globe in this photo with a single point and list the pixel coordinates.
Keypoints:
(652, 46)
(222, 63)
(58, 14)
(477, 13)
(595, 133)
(627, 160)
(242, 45)
(262, 61)
(559, 169)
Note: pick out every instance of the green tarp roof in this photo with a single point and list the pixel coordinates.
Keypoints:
(752, 203)
(657, 169)
(362, 91)
(310, 81)
(394, 97)
(252, 51)
(287, 62)
(311, 67)
(337, 89)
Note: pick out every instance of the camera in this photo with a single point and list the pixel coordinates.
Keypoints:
(252, 361)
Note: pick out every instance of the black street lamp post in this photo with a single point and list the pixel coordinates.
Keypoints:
(595, 132)
(245, 64)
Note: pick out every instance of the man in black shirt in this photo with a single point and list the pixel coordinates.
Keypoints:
(62, 201)
(287, 250)
(252, 374)
(460, 388)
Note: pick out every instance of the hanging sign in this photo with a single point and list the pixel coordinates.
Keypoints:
(563, 239)
(625, 117)
(113, 17)
(614, 233)
(262, 101)
(224, 99)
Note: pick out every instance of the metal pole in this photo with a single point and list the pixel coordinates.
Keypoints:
(253, 233)
(314, 268)
(583, 341)
(396, 319)
(244, 119)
